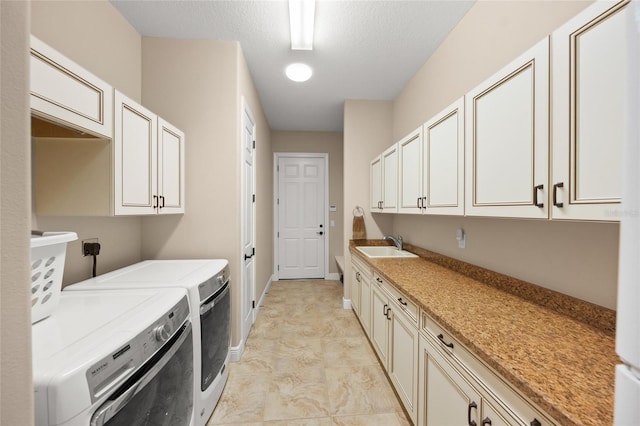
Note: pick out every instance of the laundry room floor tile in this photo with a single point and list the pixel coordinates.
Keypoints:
(307, 362)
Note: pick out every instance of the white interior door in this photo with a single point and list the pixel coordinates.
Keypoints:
(248, 222)
(301, 217)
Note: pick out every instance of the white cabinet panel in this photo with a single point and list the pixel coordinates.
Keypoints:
(135, 158)
(444, 161)
(410, 174)
(390, 180)
(589, 106)
(403, 360)
(507, 142)
(171, 184)
(380, 322)
(375, 185)
(64, 92)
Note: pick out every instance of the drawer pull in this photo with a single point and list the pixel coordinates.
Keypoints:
(358, 276)
(379, 280)
(486, 421)
(535, 422)
(469, 421)
(402, 302)
(555, 194)
(535, 196)
(441, 338)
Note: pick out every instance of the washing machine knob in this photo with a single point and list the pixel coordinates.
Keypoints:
(162, 333)
(220, 279)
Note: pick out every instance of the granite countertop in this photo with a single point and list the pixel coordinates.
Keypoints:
(562, 361)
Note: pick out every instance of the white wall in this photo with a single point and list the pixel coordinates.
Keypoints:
(16, 389)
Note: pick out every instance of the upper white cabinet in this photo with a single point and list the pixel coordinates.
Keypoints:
(375, 175)
(148, 160)
(410, 174)
(589, 104)
(507, 150)
(64, 92)
(384, 181)
(443, 191)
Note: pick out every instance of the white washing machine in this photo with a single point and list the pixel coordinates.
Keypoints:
(207, 283)
(115, 358)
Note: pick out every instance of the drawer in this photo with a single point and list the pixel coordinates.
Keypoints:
(399, 298)
(364, 269)
(504, 398)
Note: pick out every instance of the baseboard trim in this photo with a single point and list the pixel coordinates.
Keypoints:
(262, 297)
(346, 303)
(235, 352)
(333, 276)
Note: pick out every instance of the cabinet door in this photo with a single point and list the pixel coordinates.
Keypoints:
(356, 279)
(170, 168)
(375, 200)
(379, 323)
(390, 180)
(410, 176)
(444, 162)
(491, 416)
(63, 91)
(403, 360)
(447, 399)
(507, 151)
(135, 158)
(365, 303)
(590, 99)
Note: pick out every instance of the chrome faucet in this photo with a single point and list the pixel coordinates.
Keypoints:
(396, 241)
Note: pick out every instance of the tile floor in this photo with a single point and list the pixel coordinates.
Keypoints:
(307, 362)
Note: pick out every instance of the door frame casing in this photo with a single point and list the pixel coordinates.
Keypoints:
(245, 109)
(276, 219)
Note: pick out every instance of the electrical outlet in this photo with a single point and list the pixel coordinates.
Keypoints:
(88, 240)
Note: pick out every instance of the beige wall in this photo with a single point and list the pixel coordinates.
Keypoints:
(367, 132)
(579, 259)
(197, 85)
(331, 144)
(94, 35)
(16, 390)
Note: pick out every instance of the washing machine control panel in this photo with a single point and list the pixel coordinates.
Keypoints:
(213, 284)
(106, 375)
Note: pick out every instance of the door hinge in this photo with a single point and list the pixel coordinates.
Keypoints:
(278, 267)
(254, 198)
(254, 144)
(278, 234)
(278, 201)
(277, 168)
(253, 304)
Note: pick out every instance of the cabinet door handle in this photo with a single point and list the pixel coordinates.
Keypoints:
(155, 201)
(358, 276)
(441, 338)
(535, 196)
(162, 198)
(402, 302)
(555, 194)
(387, 315)
(418, 202)
(472, 404)
(424, 203)
(486, 421)
(384, 310)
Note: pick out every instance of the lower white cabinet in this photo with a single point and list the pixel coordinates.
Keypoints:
(456, 388)
(394, 336)
(361, 293)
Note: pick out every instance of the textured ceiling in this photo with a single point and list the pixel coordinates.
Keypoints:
(362, 49)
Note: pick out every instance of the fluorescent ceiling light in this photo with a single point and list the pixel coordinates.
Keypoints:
(299, 72)
(301, 19)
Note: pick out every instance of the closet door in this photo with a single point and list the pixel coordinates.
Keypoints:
(507, 150)
(590, 88)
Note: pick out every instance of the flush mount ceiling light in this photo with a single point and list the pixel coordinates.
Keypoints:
(301, 19)
(299, 72)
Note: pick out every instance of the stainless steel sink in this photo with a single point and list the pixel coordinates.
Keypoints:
(384, 251)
